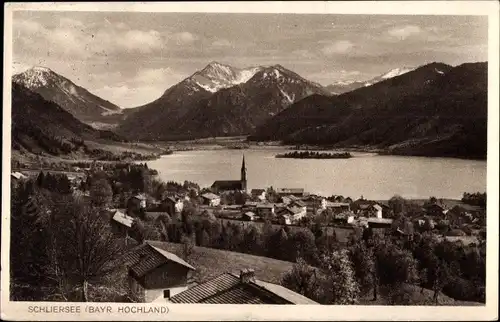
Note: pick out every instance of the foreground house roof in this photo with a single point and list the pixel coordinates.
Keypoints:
(229, 288)
(144, 258)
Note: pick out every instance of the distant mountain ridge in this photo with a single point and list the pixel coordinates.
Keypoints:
(75, 99)
(433, 110)
(341, 87)
(218, 100)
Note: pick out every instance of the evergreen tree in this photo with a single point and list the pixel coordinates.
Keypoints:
(341, 285)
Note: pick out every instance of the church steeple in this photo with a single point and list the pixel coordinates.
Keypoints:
(243, 175)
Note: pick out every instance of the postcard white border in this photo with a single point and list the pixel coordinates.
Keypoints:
(18, 310)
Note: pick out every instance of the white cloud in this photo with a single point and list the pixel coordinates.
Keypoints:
(303, 53)
(184, 37)
(70, 40)
(337, 47)
(404, 32)
(137, 40)
(222, 43)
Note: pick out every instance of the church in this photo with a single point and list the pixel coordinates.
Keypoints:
(232, 185)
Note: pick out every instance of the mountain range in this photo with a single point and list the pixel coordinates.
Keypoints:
(434, 109)
(75, 99)
(219, 100)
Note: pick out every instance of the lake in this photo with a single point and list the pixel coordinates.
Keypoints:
(369, 175)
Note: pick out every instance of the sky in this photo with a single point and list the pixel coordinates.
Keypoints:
(131, 58)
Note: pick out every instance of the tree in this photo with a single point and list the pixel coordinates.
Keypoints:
(341, 286)
(397, 204)
(277, 245)
(302, 279)
(394, 266)
(84, 250)
(252, 239)
(187, 247)
(364, 267)
(101, 193)
(303, 242)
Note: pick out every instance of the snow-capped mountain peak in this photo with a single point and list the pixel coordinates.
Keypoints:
(75, 99)
(35, 77)
(396, 72)
(216, 76)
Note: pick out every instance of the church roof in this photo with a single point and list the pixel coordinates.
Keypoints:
(228, 185)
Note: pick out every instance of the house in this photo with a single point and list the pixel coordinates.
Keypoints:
(376, 222)
(258, 194)
(367, 208)
(289, 198)
(17, 176)
(298, 204)
(265, 209)
(232, 185)
(155, 274)
(297, 192)
(210, 199)
(250, 206)
(173, 205)
(436, 210)
(244, 288)
(249, 216)
(121, 223)
(463, 214)
(138, 201)
(342, 218)
(337, 207)
(291, 214)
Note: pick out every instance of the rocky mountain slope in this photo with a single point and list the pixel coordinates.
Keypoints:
(82, 104)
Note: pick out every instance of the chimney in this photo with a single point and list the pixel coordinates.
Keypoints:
(247, 275)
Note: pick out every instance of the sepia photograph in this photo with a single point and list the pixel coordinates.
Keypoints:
(154, 158)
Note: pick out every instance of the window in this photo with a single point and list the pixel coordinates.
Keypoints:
(166, 294)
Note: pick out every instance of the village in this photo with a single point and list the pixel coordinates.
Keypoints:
(156, 274)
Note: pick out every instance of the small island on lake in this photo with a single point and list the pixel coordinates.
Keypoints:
(314, 155)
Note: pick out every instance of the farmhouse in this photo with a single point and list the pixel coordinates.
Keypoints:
(244, 288)
(232, 185)
(337, 207)
(155, 274)
(210, 199)
(258, 194)
(291, 214)
(17, 175)
(121, 223)
(138, 201)
(265, 209)
(173, 205)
